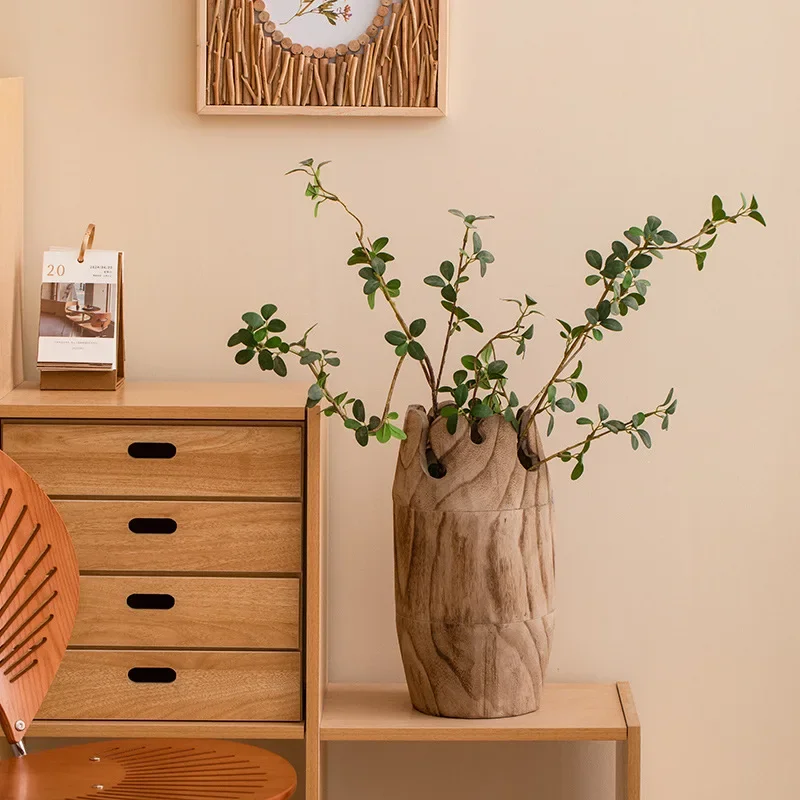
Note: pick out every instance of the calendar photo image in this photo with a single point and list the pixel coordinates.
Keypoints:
(78, 310)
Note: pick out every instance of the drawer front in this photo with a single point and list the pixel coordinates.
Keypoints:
(247, 613)
(165, 536)
(192, 686)
(81, 460)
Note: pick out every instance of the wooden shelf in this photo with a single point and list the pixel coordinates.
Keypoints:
(569, 712)
(104, 729)
(153, 401)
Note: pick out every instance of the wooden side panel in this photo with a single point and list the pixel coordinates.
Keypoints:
(79, 460)
(137, 611)
(629, 752)
(11, 233)
(316, 605)
(95, 684)
(258, 537)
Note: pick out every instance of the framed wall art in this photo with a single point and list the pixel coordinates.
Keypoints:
(317, 57)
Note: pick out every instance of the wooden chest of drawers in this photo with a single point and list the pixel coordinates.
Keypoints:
(195, 515)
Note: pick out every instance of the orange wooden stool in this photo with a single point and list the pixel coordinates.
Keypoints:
(38, 602)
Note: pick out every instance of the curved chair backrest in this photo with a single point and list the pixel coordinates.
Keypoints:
(38, 596)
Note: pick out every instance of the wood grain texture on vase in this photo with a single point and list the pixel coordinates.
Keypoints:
(474, 570)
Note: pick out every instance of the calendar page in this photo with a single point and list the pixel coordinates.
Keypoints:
(79, 310)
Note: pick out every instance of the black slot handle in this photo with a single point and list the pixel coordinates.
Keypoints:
(153, 450)
(152, 525)
(152, 675)
(151, 602)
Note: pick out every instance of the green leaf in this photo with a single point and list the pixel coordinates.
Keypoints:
(477, 243)
(460, 394)
(244, 356)
(594, 259)
(669, 237)
(496, 369)
(551, 424)
(315, 394)
(565, 404)
(513, 400)
(673, 407)
(481, 411)
(397, 433)
(235, 339)
(598, 334)
(645, 437)
(417, 327)
(615, 425)
(352, 424)
(252, 319)
(592, 317)
(474, 324)
(452, 424)
(603, 412)
(380, 243)
(358, 258)
(631, 302)
(456, 213)
(581, 391)
(378, 265)
(449, 293)
(654, 223)
(447, 269)
(485, 257)
(700, 258)
(634, 442)
(333, 361)
(384, 434)
(395, 338)
(669, 398)
(619, 250)
(612, 324)
(265, 360)
(371, 301)
(634, 235)
(371, 286)
(280, 367)
(758, 217)
(276, 326)
(717, 210)
(434, 280)
(551, 394)
(416, 351)
(708, 245)
(358, 411)
(584, 421)
(471, 363)
(309, 357)
(460, 376)
(268, 310)
(362, 436)
(641, 261)
(577, 471)
(603, 309)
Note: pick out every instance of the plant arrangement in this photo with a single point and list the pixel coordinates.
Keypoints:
(480, 386)
(326, 8)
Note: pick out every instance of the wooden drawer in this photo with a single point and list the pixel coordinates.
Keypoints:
(96, 684)
(205, 536)
(84, 460)
(246, 613)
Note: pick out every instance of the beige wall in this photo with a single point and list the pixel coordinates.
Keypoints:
(677, 567)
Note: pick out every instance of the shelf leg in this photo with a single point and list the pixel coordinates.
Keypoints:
(629, 751)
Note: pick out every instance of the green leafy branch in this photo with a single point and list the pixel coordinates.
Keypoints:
(624, 291)
(480, 387)
(604, 426)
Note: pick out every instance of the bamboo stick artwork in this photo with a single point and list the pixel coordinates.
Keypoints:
(394, 63)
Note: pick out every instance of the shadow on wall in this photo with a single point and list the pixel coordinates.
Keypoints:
(424, 771)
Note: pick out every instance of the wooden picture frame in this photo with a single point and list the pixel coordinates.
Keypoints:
(396, 67)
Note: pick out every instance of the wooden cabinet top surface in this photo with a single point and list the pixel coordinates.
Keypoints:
(283, 401)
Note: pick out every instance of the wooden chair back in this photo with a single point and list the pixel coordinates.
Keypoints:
(38, 597)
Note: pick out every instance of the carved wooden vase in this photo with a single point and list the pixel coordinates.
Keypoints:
(474, 570)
